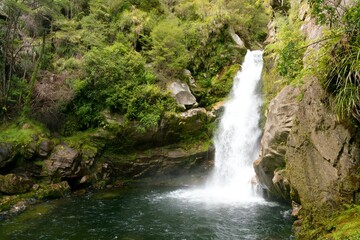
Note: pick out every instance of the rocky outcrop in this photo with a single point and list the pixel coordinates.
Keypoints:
(165, 162)
(185, 123)
(236, 38)
(173, 127)
(64, 162)
(52, 191)
(270, 167)
(323, 155)
(97, 159)
(45, 147)
(182, 94)
(308, 155)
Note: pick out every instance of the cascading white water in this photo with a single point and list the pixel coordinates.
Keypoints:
(236, 141)
(237, 138)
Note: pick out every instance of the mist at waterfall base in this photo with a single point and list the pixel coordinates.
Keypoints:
(226, 208)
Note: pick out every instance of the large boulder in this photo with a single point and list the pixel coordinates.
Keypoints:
(64, 162)
(182, 94)
(269, 167)
(173, 127)
(13, 184)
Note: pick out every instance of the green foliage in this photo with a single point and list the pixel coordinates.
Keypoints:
(340, 64)
(135, 27)
(168, 52)
(211, 48)
(288, 50)
(249, 18)
(218, 87)
(118, 80)
(290, 60)
(326, 12)
(343, 224)
(21, 135)
(102, 47)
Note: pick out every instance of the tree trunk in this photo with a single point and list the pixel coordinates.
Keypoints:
(26, 109)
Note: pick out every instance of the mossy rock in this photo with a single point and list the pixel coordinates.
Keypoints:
(11, 184)
(52, 191)
(342, 225)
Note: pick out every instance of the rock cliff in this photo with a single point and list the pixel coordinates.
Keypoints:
(309, 156)
(270, 167)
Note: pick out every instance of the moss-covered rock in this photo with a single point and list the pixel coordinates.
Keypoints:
(11, 184)
(51, 191)
(11, 204)
(344, 224)
(64, 162)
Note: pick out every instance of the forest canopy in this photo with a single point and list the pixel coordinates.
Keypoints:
(66, 61)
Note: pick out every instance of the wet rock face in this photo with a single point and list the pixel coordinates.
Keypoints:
(281, 115)
(64, 162)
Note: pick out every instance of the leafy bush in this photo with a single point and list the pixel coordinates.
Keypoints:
(116, 79)
(288, 50)
(147, 105)
(168, 52)
(218, 87)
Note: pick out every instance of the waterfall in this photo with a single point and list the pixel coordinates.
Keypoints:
(236, 141)
(237, 138)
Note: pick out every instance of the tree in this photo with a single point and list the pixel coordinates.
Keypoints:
(169, 53)
(10, 46)
(22, 24)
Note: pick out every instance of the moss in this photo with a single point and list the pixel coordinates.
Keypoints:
(222, 83)
(90, 140)
(6, 202)
(22, 133)
(343, 225)
(217, 88)
(346, 225)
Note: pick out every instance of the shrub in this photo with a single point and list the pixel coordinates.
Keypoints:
(116, 79)
(339, 68)
(168, 52)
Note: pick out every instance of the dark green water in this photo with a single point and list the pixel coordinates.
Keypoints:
(148, 214)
